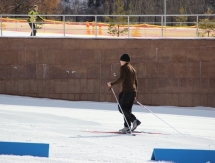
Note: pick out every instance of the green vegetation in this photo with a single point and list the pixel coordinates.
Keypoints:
(116, 24)
(206, 25)
(181, 19)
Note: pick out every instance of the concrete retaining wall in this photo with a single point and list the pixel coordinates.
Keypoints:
(176, 72)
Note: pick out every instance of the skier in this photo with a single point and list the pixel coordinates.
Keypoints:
(33, 17)
(128, 95)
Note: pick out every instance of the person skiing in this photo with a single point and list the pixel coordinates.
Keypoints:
(33, 17)
(128, 95)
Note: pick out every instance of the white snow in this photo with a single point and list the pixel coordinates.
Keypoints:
(64, 125)
(39, 34)
(52, 35)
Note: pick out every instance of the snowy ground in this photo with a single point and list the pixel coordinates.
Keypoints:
(40, 34)
(65, 125)
(59, 35)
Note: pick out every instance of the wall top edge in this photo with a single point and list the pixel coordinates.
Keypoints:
(102, 38)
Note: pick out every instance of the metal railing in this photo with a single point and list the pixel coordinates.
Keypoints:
(123, 26)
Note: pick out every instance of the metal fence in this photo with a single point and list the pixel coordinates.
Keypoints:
(114, 26)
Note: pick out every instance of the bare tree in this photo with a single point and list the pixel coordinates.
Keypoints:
(50, 7)
(14, 6)
(23, 6)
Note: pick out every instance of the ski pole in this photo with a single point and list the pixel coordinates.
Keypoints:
(121, 109)
(158, 117)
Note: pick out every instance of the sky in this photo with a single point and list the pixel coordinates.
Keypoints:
(76, 130)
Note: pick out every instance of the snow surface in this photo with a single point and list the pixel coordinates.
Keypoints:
(39, 34)
(65, 125)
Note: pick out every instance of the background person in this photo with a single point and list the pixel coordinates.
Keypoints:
(33, 17)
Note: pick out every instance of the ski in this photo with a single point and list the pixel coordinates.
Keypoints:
(117, 132)
(114, 132)
(134, 133)
(145, 132)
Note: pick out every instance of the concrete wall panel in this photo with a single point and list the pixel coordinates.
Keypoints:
(172, 72)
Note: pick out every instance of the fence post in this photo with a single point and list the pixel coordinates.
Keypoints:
(162, 26)
(197, 26)
(96, 25)
(128, 26)
(64, 25)
(1, 25)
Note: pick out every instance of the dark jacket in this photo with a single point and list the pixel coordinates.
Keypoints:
(128, 78)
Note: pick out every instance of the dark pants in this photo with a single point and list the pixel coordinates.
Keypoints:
(33, 29)
(126, 100)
